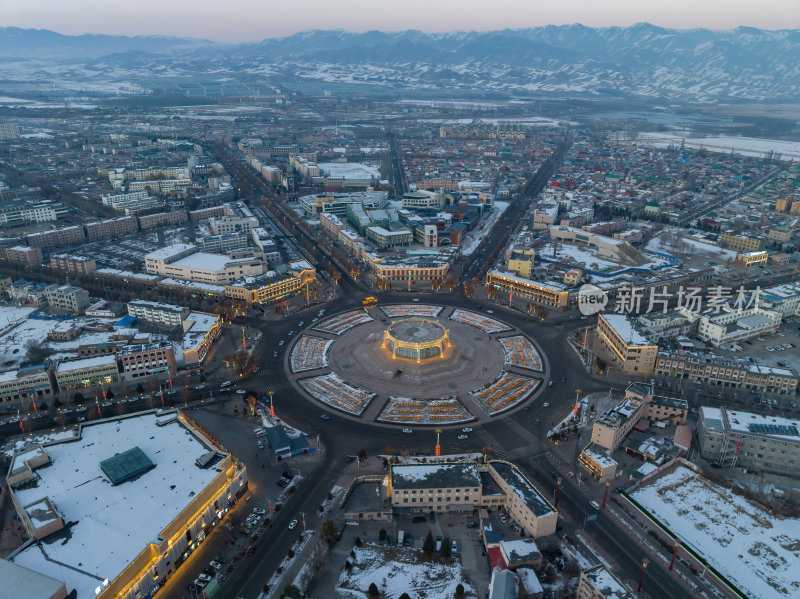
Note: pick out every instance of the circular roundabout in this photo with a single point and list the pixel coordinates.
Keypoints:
(416, 364)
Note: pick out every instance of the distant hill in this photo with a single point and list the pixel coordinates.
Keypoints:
(641, 60)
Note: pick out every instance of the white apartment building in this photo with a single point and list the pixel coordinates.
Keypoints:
(66, 298)
(736, 325)
(157, 312)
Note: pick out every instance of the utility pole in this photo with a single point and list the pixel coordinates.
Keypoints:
(271, 407)
(438, 451)
(303, 516)
(605, 495)
(559, 480)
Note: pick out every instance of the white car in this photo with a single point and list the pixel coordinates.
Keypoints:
(463, 437)
(545, 405)
(260, 445)
(466, 429)
(292, 524)
(204, 577)
(407, 430)
(200, 583)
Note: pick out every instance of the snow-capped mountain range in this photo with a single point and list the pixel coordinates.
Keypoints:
(642, 60)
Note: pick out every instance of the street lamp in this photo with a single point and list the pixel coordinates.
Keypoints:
(271, 407)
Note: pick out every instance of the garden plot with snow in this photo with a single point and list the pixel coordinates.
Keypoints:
(756, 551)
(396, 570)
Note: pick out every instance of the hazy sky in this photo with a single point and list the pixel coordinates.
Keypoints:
(252, 20)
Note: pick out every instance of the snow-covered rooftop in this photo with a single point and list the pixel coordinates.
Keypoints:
(432, 476)
(111, 525)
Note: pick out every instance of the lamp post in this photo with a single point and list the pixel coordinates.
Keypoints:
(559, 480)
(605, 495)
(271, 407)
(645, 561)
(438, 450)
(674, 553)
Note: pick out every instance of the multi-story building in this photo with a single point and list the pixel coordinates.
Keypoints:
(438, 184)
(160, 219)
(160, 185)
(780, 235)
(16, 212)
(747, 440)
(225, 242)
(598, 582)
(520, 262)
(611, 428)
(20, 254)
(50, 240)
(272, 285)
(200, 331)
(631, 350)
(73, 374)
(659, 327)
(140, 360)
(740, 243)
(783, 299)
(182, 261)
(385, 239)
(155, 466)
(466, 485)
(552, 294)
(9, 131)
(28, 293)
(337, 203)
(726, 328)
(73, 263)
(112, 227)
(726, 372)
(32, 382)
(222, 225)
(748, 259)
(423, 200)
(66, 298)
(206, 213)
(157, 312)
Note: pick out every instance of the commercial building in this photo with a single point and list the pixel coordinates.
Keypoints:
(157, 312)
(726, 372)
(201, 329)
(72, 263)
(32, 382)
(423, 200)
(598, 582)
(221, 225)
(50, 240)
(748, 259)
(520, 262)
(464, 486)
(611, 428)
(86, 372)
(141, 360)
(66, 298)
(23, 582)
(747, 440)
(182, 261)
(272, 285)
(597, 461)
(20, 254)
(147, 463)
(385, 239)
(631, 350)
(337, 203)
(553, 295)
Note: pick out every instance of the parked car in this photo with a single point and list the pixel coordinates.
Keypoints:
(216, 565)
(200, 583)
(545, 405)
(594, 504)
(408, 430)
(260, 445)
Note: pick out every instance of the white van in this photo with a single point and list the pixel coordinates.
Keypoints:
(225, 384)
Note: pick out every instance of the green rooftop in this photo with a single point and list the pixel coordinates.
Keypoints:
(126, 465)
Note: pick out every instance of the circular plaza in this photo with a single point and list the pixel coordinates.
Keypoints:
(416, 364)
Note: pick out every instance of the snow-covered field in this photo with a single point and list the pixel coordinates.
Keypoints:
(398, 570)
(682, 247)
(587, 257)
(746, 146)
(756, 551)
